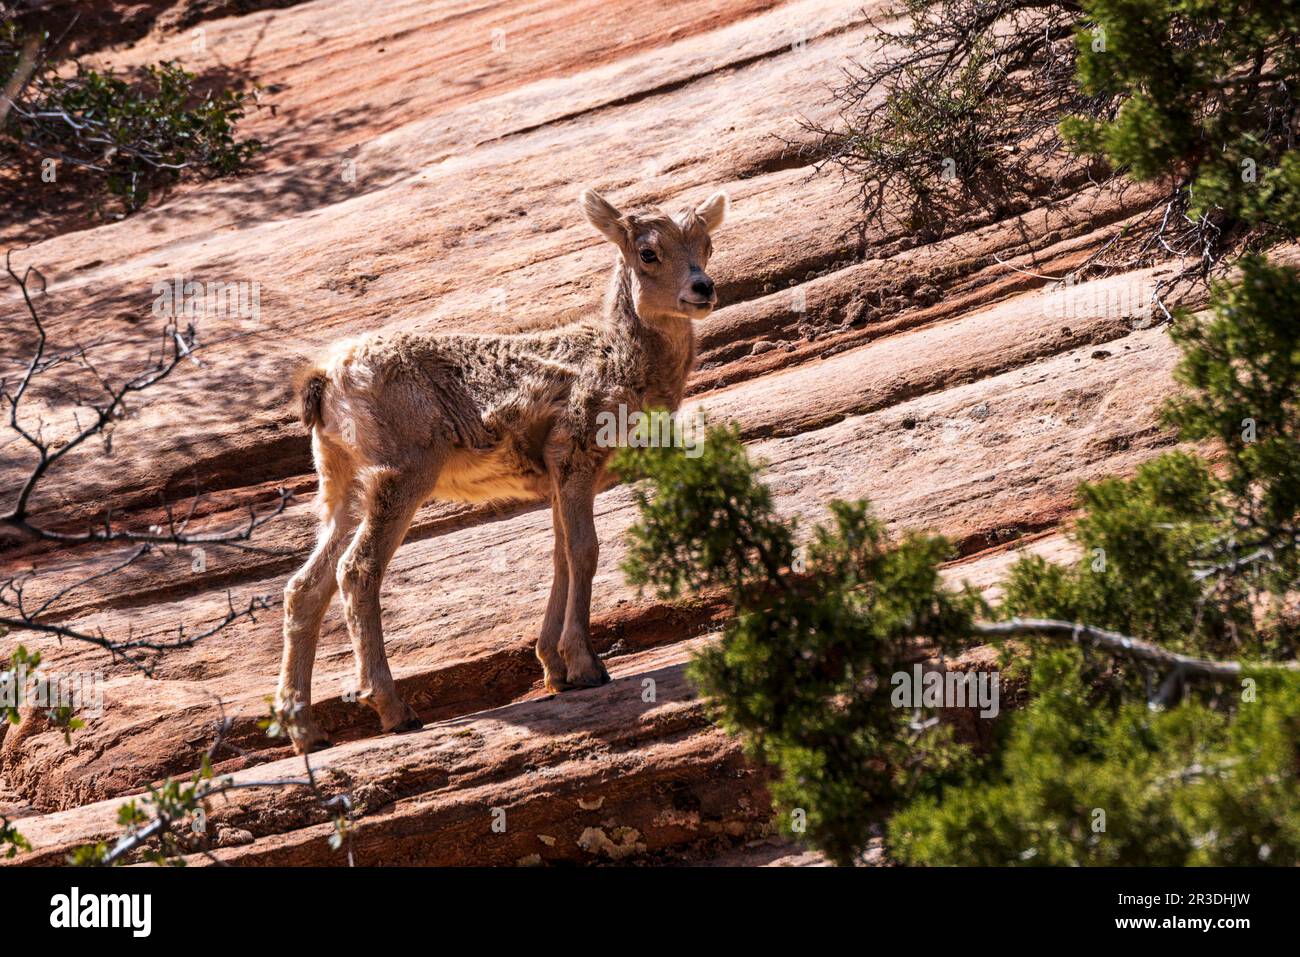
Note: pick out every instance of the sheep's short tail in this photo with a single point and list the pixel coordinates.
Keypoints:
(311, 393)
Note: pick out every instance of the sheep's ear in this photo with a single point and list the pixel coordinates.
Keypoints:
(604, 216)
(713, 211)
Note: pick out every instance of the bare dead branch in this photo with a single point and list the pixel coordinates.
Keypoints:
(169, 815)
(1134, 648)
(16, 611)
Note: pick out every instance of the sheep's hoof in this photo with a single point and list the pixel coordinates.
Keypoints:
(410, 724)
(410, 721)
(395, 715)
(589, 678)
(308, 738)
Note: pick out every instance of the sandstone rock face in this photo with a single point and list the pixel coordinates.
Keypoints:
(422, 174)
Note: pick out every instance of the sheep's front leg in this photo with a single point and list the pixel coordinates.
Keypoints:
(548, 642)
(581, 548)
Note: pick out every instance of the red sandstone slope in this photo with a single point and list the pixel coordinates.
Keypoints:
(942, 384)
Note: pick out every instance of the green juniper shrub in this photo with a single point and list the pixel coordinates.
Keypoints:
(133, 133)
(959, 105)
(802, 671)
(1241, 370)
(1201, 560)
(1203, 90)
(1197, 559)
(1138, 539)
(1194, 557)
(1088, 774)
(736, 539)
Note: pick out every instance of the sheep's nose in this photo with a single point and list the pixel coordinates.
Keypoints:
(703, 287)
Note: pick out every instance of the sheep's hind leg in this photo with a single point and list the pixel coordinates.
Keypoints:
(306, 596)
(305, 599)
(392, 497)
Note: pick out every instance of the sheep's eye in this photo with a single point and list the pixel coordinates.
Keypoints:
(648, 256)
